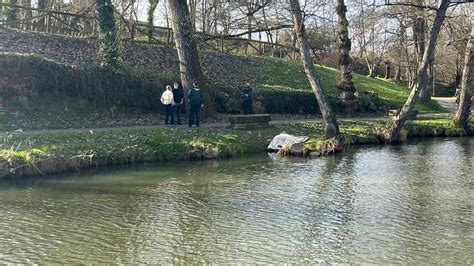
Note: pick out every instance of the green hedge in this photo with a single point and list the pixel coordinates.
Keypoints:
(286, 101)
(290, 101)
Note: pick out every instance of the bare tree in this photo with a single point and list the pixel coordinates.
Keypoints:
(189, 65)
(397, 124)
(419, 32)
(330, 121)
(464, 108)
(345, 85)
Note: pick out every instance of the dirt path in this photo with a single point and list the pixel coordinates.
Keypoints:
(450, 105)
(447, 102)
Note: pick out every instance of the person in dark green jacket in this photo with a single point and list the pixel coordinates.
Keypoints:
(196, 102)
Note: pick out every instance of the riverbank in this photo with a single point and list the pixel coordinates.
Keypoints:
(27, 154)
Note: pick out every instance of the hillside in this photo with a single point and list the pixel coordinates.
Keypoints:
(37, 69)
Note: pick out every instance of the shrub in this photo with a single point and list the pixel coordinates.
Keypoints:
(278, 99)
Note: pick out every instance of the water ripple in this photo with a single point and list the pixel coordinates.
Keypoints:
(399, 204)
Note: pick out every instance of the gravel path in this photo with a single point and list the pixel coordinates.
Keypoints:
(447, 102)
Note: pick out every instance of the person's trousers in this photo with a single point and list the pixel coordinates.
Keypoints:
(168, 112)
(194, 114)
(176, 113)
(247, 106)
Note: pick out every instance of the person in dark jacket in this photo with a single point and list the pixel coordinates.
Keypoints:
(196, 102)
(178, 97)
(246, 97)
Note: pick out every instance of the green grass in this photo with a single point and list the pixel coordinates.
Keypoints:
(289, 75)
(171, 144)
(226, 72)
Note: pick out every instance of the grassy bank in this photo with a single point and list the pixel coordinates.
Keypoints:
(44, 154)
(31, 85)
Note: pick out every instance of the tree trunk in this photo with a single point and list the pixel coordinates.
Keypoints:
(203, 15)
(345, 85)
(25, 14)
(249, 35)
(151, 18)
(387, 70)
(330, 122)
(419, 29)
(371, 66)
(462, 114)
(398, 73)
(189, 66)
(109, 52)
(192, 13)
(421, 76)
(42, 4)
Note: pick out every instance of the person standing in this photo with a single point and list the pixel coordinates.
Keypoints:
(178, 98)
(196, 102)
(457, 95)
(168, 101)
(246, 97)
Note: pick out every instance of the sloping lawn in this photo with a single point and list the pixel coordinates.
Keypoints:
(288, 74)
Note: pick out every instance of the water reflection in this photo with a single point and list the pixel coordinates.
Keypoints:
(403, 204)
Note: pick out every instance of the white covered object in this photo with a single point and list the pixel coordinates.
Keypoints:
(285, 139)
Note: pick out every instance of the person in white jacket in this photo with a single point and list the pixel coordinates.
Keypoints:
(168, 101)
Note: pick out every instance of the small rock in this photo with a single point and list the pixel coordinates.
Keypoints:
(314, 154)
(297, 149)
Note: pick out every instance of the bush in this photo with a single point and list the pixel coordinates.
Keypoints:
(290, 101)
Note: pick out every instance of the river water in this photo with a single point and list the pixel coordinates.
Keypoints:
(412, 203)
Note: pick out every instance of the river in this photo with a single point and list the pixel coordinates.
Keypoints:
(412, 203)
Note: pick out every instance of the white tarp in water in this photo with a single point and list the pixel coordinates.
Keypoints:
(285, 139)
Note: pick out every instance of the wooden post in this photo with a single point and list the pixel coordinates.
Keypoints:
(169, 36)
(222, 44)
(48, 22)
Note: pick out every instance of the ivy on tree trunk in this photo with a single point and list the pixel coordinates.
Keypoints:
(150, 18)
(345, 84)
(109, 53)
(11, 13)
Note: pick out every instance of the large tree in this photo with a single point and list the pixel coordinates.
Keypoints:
(419, 32)
(397, 124)
(109, 53)
(464, 108)
(185, 42)
(330, 121)
(345, 84)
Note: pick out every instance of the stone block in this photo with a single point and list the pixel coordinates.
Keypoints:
(243, 121)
